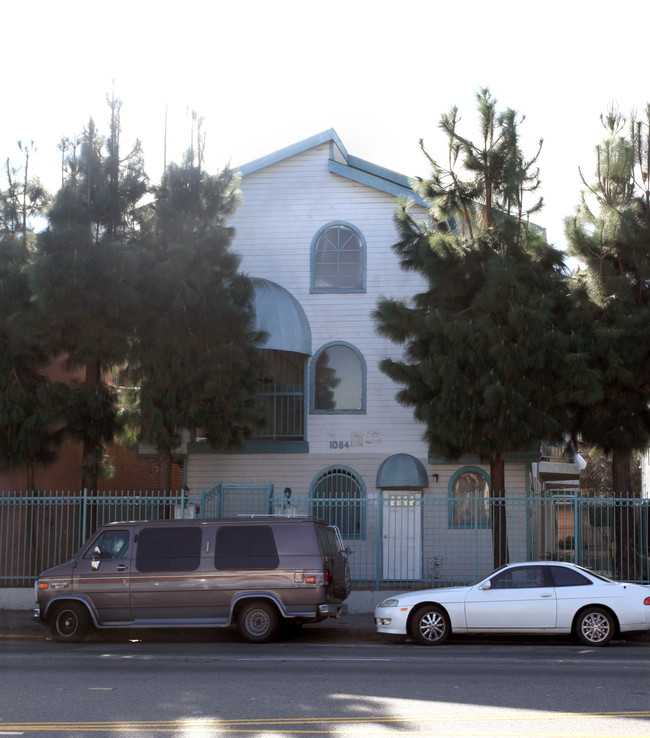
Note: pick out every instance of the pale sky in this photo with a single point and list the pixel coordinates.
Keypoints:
(264, 75)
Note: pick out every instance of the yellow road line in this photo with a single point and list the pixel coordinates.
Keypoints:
(251, 725)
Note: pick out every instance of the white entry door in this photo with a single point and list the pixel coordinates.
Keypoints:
(402, 534)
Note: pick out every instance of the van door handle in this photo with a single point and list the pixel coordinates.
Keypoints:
(122, 567)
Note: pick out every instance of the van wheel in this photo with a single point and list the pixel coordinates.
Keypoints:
(70, 622)
(258, 622)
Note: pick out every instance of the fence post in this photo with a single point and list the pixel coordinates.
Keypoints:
(378, 565)
(84, 516)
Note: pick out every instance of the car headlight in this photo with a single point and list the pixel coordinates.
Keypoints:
(389, 603)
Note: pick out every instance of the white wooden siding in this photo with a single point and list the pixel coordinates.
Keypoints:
(283, 206)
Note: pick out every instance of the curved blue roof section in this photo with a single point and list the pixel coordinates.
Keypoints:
(402, 471)
(281, 316)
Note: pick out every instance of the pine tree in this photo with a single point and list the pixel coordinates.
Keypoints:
(610, 235)
(84, 277)
(195, 348)
(483, 345)
(28, 403)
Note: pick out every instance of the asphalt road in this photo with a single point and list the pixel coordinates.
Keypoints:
(195, 685)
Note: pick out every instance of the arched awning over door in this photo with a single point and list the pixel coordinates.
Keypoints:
(402, 471)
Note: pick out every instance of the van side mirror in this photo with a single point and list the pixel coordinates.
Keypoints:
(97, 558)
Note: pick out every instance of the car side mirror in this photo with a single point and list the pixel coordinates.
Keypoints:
(97, 558)
(486, 585)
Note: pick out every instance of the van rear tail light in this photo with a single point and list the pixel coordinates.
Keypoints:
(319, 578)
(646, 601)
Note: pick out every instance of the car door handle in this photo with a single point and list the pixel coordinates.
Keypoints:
(546, 596)
(122, 567)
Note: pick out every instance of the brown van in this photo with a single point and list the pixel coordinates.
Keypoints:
(255, 573)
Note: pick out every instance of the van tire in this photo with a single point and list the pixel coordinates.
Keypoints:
(258, 622)
(70, 622)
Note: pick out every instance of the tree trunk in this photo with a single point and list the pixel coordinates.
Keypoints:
(91, 453)
(499, 523)
(624, 549)
(164, 470)
(621, 474)
(29, 477)
(90, 456)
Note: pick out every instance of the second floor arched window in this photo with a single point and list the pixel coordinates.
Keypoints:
(338, 259)
(338, 380)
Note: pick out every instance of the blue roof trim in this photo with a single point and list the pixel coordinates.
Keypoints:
(381, 172)
(355, 169)
(391, 187)
(293, 150)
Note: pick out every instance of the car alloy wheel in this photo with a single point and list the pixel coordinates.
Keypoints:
(595, 627)
(430, 625)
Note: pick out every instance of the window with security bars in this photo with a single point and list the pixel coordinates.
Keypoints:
(281, 392)
(338, 497)
(338, 260)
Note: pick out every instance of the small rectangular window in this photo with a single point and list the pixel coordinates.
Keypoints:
(169, 549)
(245, 547)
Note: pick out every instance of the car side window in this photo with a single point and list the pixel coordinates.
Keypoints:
(521, 577)
(563, 577)
(112, 544)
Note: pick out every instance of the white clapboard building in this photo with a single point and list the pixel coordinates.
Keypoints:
(315, 230)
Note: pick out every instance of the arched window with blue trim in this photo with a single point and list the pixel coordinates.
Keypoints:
(469, 498)
(338, 379)
(337, 497)
(338, 255)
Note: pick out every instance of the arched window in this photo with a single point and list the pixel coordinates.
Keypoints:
(338, 380)
(469, 499)
(337, 497)
(338, 259)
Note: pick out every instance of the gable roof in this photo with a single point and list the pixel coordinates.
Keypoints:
(344, 165)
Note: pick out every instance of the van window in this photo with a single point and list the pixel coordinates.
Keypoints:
(327, 541)
(168, 549)
(245, 547)
(112, 544)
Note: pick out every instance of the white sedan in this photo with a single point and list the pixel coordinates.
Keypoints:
(542, 597)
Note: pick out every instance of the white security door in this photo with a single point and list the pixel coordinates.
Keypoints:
(402, 534)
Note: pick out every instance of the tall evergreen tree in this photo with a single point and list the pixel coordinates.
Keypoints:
(195, 346)
(610, 235)
(84, 278)
(483, 343)
(28, 403)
